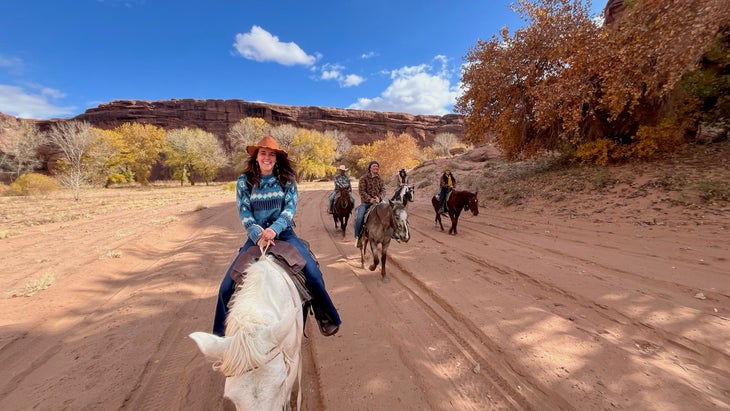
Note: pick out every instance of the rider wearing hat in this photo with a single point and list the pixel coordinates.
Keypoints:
(447, 185)
(372, 190)
(402, 180)
(341, 181)
(267, 197)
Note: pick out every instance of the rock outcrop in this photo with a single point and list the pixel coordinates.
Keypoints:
(217, 117)
(613, 12)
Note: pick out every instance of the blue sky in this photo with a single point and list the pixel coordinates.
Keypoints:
(59, 58)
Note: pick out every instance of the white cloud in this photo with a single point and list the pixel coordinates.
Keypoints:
(260, 45)
(351, 80)
(334, 72)
(14, 65)
(368, 55)
(18, 102)
(415, 90)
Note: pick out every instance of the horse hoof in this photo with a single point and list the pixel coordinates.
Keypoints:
(372, 267)
(386, 279)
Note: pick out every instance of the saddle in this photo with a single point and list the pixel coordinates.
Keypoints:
(289, 259)
(368, 210)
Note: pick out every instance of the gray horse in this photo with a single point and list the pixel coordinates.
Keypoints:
(383, 222)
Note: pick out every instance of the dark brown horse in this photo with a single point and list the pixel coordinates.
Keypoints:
(342, 208)
(383, 222)
(457, 202)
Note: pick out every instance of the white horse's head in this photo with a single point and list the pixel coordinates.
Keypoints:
(261, 353)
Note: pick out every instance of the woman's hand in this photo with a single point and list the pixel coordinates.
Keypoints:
(267, 237)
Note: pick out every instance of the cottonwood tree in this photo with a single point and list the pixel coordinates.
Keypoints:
(392, 154)
(396, 152)
(20, 151)
(144, 143)
(246, 132)
(343, 143)
(563, 81)
(193, 151)
(313, 153)
(510, 82)
(647, 54)
(74, 139)
(212, 156)
(357, 158)
(443, 142)
(106, 159)
(284, 135)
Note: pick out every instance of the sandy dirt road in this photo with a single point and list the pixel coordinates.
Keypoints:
(521, 311)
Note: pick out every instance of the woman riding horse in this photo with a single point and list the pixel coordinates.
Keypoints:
(267, 201)
(458, 201)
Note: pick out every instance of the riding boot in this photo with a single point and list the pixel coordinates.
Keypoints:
(327, 325)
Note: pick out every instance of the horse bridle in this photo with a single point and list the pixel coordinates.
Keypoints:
(393, 224)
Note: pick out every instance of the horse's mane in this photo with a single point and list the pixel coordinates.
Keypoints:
(250, 317)
(402, 190)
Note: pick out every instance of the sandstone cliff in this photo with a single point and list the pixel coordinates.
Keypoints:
(217, 117)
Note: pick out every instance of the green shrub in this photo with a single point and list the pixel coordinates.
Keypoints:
(32, 184)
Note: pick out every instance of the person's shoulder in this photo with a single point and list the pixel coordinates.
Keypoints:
(242, 180)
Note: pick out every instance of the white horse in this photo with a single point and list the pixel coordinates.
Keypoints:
(261, 352)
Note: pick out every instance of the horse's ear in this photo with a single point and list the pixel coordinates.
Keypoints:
(212, 346)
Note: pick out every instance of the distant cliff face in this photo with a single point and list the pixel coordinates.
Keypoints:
(217, 117)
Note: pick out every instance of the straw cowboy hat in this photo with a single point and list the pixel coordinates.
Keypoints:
(342, 167)
(266, 142)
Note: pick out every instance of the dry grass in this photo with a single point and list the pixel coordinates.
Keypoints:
(20, 213)
(35, 286)
(696, 178)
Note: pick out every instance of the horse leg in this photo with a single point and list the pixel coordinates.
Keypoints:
(385, 279)
(454, 222)
(437, 210)
(363, 250)
(376, 259)
(334, 217)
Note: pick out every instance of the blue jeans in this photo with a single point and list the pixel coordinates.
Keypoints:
(312, 273)
(332, 199)
(442, 196)
(361, 209)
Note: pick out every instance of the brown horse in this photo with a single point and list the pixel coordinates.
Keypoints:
(457, 202)
(342, 208)
(383, 222)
